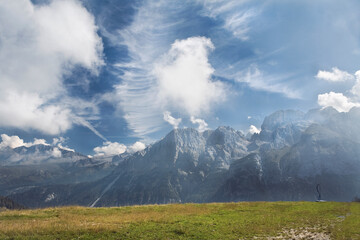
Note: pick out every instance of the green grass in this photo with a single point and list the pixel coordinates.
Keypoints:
(242, 220)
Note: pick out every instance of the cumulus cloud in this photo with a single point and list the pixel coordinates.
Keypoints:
(11, 141)
(171, 120)
(40, 44)
(184, 76)
(137, 146)
(336, 100)
(110, 149)
(253, 129)
(14, 141)
(29, 111)
(336, 75)
(114, 148)
(56, 153)
(202, 125)
(339, 101)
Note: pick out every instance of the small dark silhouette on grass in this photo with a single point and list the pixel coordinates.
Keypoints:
(318, 189)
(356, 199)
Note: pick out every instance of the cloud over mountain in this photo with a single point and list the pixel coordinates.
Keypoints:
(171, 120)
(336, 75)
(339, 101)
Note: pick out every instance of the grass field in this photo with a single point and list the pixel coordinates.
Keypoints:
(244, 220)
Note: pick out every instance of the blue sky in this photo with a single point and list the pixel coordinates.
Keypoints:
(100, 76)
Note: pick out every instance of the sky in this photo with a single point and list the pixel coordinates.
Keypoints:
(108, 76)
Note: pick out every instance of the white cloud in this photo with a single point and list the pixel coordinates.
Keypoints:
(110, 149)
(146, 38)
(336, 100)
(14, 141)
(202, 125)
(29, 111)
(114, 148)
(253, 129)
(164, 73)
(39, 141)
(137, 146)
(39, 45)
(66, 28)
(59, 143)
(56, 153)
(339, 101)
(336, 75)
(184, 76)
(355, 90)
(171, 120)
(11, 141)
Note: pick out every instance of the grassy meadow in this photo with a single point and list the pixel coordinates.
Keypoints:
(243, 220)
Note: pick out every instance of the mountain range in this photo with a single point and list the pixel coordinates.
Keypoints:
(292, 154)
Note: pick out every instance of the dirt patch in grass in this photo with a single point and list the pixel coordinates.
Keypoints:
(306, 233)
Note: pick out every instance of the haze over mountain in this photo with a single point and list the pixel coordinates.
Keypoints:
(293, 153)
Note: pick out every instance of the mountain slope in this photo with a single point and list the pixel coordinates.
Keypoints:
(293, 153)
(9, 204)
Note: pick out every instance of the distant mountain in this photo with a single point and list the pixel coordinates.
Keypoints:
(320, 147)
(24, 168)
(37, 154)
(9, 204)
(293, 153)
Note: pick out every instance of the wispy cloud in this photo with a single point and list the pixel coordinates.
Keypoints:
(146, 39)
(236, 19)
(256, 79)
(83, 122)
(164, 72)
